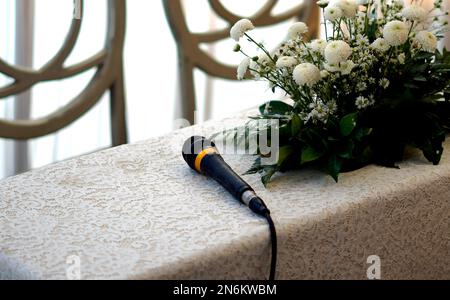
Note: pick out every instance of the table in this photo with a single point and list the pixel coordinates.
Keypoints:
(138, 212)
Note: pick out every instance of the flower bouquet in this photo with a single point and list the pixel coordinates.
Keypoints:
(376, 85)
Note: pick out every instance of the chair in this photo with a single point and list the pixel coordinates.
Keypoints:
(191, 56)
(108, 76)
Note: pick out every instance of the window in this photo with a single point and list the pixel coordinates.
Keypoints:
(150, 72)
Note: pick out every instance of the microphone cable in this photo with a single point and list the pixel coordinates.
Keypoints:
(202, 156)
(273, 238)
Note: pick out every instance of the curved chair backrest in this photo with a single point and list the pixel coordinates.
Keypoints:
(191, 56)
(108, 76)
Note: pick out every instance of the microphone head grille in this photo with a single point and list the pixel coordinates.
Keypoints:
(192, 148)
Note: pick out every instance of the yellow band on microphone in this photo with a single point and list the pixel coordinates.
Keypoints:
(201, 156)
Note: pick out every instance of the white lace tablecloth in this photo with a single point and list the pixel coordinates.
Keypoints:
(138, 212)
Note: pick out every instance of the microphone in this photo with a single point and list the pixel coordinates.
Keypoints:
(202, 156)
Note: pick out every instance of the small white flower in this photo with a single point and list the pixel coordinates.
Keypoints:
(333, 13)
(306, 74)
(297, 29)
(337, 51)
(323, 3)
(286, 62)
(242, 68)
(395, 33)
(332, 107)
(318, 46)
(414, 13)
(259, 63)
(385, 83)
(346, 67)
(427, 41)
(401, 58)
(361, 86)
(240, 28)
(363, 102)
(320, 112)
(362, 40)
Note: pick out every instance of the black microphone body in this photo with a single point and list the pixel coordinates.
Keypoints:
(215, 167)
(202, 156)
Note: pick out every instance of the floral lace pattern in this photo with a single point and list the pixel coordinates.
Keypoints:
(138, 212)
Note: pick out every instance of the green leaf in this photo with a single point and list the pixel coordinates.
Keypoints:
(334, 167)
(424, 55)
(268, 174)
(283, 154)
(275, 108)
(433, 150)
(256, 167)
(348, 124)
(411, 86)
(420, 78)
(296, 125)
(347, 150)
(309, 155)
(361, 133)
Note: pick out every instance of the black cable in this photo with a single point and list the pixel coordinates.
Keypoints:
(273, 237)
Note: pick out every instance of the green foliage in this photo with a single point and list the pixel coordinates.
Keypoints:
(275, 108)
(348, 124)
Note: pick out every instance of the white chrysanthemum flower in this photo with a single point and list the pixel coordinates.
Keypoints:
(323, 3)
(381, 45)
(337, 51)
(333, 13)
(286, 62)
(414, 13)
(427, 41)
(395, 33)
(346, 67)
(385, 83)
(306, 74)
(243, 68)
(318, 46)
(332, 67)
(240, 28)
(349, 7)
(297, 29)
(401, 58)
